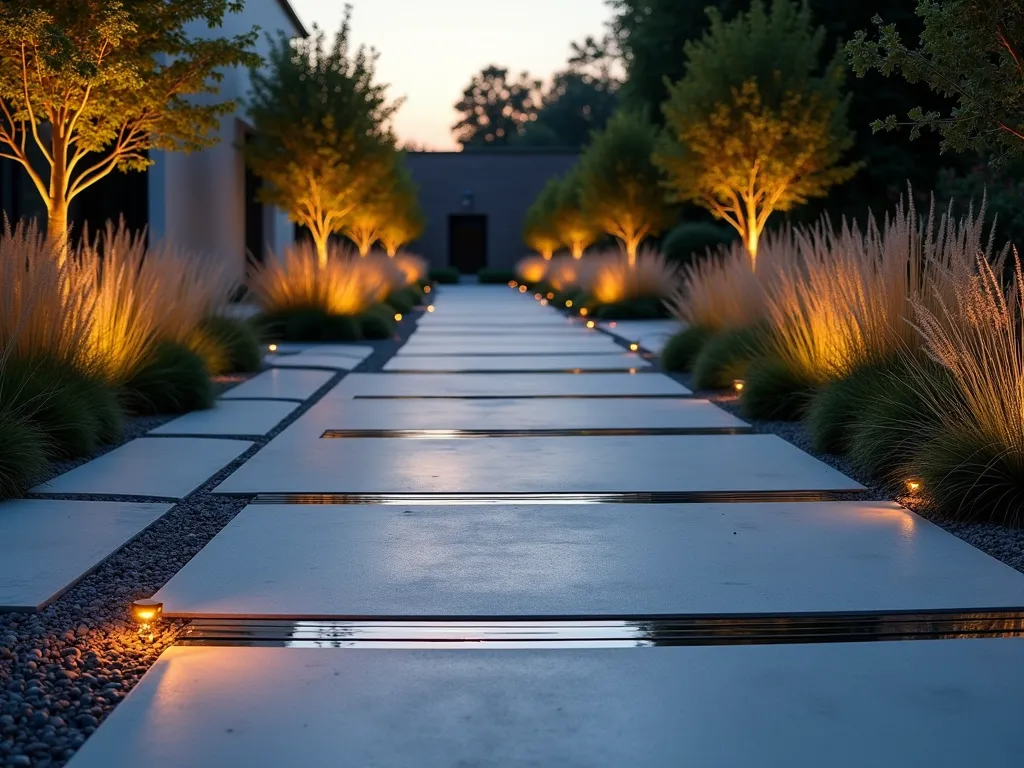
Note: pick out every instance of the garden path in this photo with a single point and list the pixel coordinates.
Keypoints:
(443, 566)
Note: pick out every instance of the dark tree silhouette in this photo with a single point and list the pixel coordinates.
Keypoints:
(496, 108)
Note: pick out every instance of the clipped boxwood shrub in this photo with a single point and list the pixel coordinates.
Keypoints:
(725, 356)
(445, 275)
(644, 308)
(495, 275)
(24, 453)
(174, 380)
(377, 322)
(227, 345)
(682, 349)
(772, 391)
(690, 241)
(400, 301)
(310, 324)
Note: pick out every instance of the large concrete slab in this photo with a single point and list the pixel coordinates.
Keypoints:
(582, 362)
(277, 561)
(650, 334)
(942, 704)
(508, 385)
(230, 417)
(517, 414)
(514, 345)
(656, 463)
(47, 545)
(281, 384)
(163, 467)
(307, 360)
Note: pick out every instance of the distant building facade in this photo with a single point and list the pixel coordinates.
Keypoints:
(475, 202)
(204, 201)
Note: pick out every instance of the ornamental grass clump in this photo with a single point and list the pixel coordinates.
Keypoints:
(532, 269)
(972, 465)
(621, 286)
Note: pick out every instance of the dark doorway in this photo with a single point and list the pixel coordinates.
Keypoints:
(467, 243)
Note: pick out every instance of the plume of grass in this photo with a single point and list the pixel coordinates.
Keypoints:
(532, 269)
(611, 279)
(973, 466)
(347, 285)
(563, 273)
(414, 268)
(144, 296)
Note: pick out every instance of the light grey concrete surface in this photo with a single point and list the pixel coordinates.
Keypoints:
(585, 362)
(165, 467)
(47, 545)
(507, 385)
(280, 383)
(942, 704)
(535, 464)
(583, 561)
(308, 360)
(230, 417)
(652, 335)
(356, 351)
(514, 345)
(513, 414)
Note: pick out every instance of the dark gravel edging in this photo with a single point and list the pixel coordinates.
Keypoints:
(64, 669)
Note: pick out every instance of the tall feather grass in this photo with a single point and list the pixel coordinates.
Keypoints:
(974, 464)
(347, 285)
(848, 299)
(563, 273)
(413, 268)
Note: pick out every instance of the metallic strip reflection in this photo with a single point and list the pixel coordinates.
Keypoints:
(455, 434)
(473, 499)
(638, 632)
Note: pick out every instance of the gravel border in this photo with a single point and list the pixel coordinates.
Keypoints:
(64, 669)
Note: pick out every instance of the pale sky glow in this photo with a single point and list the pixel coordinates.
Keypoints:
(431, 48)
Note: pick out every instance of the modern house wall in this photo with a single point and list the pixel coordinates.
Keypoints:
(199, 201)
(498, 184)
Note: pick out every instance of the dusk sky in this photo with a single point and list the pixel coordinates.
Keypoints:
(431, 48)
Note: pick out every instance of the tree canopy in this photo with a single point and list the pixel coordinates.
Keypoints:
(753, 126)
(619, 185)
(970, 52)
(403, 217)
(496, 108)
(576, 230)
(322, 139)
(91, 86)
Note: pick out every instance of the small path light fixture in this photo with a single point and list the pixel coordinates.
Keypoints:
(737, 384)
(634, 347)
(590, 323)
(430, 308)
(272, 347)
(398, 317)
(913, 485)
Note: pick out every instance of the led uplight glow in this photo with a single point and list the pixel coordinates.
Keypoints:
(633, 347)
(398, 317)
(272, 347)
(738, 385)
(590, 323)
(430, 308)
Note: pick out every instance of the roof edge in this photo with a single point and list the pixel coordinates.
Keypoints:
(293, 17)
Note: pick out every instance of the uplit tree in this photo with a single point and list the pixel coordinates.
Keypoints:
(539, 231)
(88, 87)
(619, 185)
(971, 52)
(574, 227)
(404, 220)
(322, 137)
(754, 128)
(496, 108)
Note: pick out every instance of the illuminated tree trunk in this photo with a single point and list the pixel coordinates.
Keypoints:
(57, 221)
(753, 231)
(320, 240)
(547, 254)
(576, 249)
(632, 244)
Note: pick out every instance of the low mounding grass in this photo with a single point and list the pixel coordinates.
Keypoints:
(724, 357)
(377, 322)
(445, 275)
(641, 308)
(973, 467)
(173, 380)
(227, 345)
(772, 391)
(683, 348)
(76, 413)
(893, 422)
(837, 408)
(24, 453)
(495, 276)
